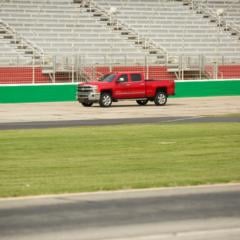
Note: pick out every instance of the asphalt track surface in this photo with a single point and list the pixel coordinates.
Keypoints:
(71, 114)
(102, 122)
(192, 213)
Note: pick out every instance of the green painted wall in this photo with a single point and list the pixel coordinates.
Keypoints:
(67, 92)
(207, 88)
(38, 93)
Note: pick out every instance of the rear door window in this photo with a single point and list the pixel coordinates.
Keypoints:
(136, 77)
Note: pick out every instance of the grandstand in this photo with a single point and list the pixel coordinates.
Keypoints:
(61, 27)
(174, 26)
(231, 9)
(61, 36)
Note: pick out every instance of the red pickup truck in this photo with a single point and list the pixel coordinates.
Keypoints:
(124, 85)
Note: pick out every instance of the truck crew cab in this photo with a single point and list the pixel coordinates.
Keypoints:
(116, 86)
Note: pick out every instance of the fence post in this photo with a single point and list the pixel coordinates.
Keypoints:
(54, 68)
(200, 66)
(216, 69)
(33, 68)
(182, 66)
(111, 63)
(77, 68)
(72, 63)
(146, 67)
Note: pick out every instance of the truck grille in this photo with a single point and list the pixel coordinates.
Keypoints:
(83, 91)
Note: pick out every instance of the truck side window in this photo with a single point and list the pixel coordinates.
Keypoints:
(136, 77)
(123, 78)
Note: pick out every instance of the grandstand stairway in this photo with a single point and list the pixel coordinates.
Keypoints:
(22, 45)
(104, 16)
(219, 12)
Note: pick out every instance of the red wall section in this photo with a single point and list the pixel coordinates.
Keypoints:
(229, 71)
(224, 72)
(160, 73)
(19, 75)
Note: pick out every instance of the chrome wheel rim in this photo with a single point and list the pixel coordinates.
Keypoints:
(161, 98)
(106, 100)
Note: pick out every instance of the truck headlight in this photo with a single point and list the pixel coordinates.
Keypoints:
(95, 89)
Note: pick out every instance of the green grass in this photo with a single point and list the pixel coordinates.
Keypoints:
(84, 159)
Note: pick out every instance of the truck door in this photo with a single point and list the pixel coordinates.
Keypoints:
(136, 86)
(122, 87)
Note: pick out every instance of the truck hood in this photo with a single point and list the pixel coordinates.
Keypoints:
(95, 83)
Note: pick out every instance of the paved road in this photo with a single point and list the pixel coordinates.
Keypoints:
(209, 213)
(98, 122)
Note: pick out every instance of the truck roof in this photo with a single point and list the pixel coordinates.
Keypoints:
(124, 72)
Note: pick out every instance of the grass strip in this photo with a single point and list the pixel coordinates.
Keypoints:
(67, 160)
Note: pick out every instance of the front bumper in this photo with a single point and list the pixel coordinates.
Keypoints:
(87, 93)
(93, 97)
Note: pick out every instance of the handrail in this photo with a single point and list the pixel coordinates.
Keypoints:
(18, 37)
(199, 5)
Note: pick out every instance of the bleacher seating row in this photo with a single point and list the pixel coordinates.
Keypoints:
(176, 27)
(64, 27)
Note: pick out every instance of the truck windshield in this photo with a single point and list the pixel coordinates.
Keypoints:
(107, 78)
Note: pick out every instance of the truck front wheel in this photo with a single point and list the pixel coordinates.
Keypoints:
(105, 99)
(160, 98)
(87, 104)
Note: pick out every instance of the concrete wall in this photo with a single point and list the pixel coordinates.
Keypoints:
(67, 92)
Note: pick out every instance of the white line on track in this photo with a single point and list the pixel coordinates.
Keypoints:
(186, 235)
(183, 119)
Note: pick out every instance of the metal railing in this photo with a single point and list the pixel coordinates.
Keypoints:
(76, 68)
(202, 6)
(21, 41)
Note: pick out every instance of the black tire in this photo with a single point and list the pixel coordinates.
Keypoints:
(160, 98)
(142, 102)
(87, 104)
(105, 99)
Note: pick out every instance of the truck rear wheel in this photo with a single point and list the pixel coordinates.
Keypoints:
(142, 102)
(105, 99)
(160, 98)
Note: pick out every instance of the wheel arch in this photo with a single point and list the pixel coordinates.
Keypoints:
(107, 91)
(161, 89)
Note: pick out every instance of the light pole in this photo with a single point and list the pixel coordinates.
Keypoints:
(219, 13)
(112, 11)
